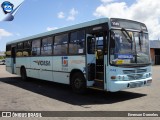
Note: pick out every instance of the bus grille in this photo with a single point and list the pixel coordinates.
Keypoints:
(135, 76)
(134, 71)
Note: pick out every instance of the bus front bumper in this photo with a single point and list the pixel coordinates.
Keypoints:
(115, 86)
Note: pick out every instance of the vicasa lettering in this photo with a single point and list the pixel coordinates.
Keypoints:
(43, 63)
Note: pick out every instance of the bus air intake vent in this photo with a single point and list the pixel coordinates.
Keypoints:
(128, 71)
(135, 76)
(141, 70)
(134, 71)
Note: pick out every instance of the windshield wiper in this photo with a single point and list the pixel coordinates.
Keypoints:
(140, 39)
(126, 34)
(128, 37)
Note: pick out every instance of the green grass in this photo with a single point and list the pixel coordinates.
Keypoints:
(2, 57)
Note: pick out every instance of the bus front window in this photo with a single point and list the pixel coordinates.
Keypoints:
(131, 48)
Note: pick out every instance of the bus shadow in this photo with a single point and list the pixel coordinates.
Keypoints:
(64, 93)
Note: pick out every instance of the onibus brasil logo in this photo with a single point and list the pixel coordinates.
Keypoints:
(7, 7)
(9, 11)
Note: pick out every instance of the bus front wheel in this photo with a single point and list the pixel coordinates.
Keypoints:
(23, 74)
(78, 83)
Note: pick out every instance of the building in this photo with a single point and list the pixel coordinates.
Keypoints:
(155, 52)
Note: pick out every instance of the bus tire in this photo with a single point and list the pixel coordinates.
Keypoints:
(23, 74)
(78, 83)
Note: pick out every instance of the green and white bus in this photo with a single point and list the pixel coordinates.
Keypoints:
(109, 54)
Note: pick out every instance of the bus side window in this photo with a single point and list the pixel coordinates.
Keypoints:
(76, 44)
(19, 52)
(8, 51)
(61, 44)
(36, 47)
(46, 48)
(91, 45)
(27, 48)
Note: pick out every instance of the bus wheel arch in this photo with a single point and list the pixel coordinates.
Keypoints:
(77, 81)
(23, 73)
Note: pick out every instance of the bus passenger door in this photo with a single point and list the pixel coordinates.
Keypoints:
(95, 59)
(13, 60)
(90, 56)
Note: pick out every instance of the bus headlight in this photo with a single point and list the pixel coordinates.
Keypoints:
(119, 77)
(147, 75)
(122, 77)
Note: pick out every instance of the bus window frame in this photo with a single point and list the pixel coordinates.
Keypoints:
(50, 36)
(8, 50)
(84, 49)
(39, 47)
(61, 44)
(19, 50)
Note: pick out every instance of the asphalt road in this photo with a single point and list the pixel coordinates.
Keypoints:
(37, 95)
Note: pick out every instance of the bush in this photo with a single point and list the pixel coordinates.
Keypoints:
(2, 57)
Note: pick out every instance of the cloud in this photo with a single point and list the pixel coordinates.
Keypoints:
(61, 15)
(51, 28)
(4, 33)
(145, 11)
(72, 14)
(112, 10)
(107, 1)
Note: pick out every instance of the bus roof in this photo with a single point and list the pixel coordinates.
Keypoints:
(60, 30)
(72, 27)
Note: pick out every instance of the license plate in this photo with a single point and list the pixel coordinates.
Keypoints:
(136, 84)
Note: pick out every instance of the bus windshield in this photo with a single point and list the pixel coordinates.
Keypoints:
(129, 48)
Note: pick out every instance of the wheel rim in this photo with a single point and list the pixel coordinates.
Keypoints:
(78, 83)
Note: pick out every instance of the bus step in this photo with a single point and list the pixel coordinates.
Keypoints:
(99, 80)
(100, 61)
(98, 83)
(99, 68)
(100, 72)
(99, 65)
(99, 76)
(95, 88)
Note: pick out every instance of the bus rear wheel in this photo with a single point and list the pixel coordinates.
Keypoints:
(78, 83)
(23, 74)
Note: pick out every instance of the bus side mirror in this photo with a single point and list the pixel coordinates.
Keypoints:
(112, 41)
(141, 37)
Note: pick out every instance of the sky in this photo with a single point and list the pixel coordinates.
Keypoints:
(38, 16)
